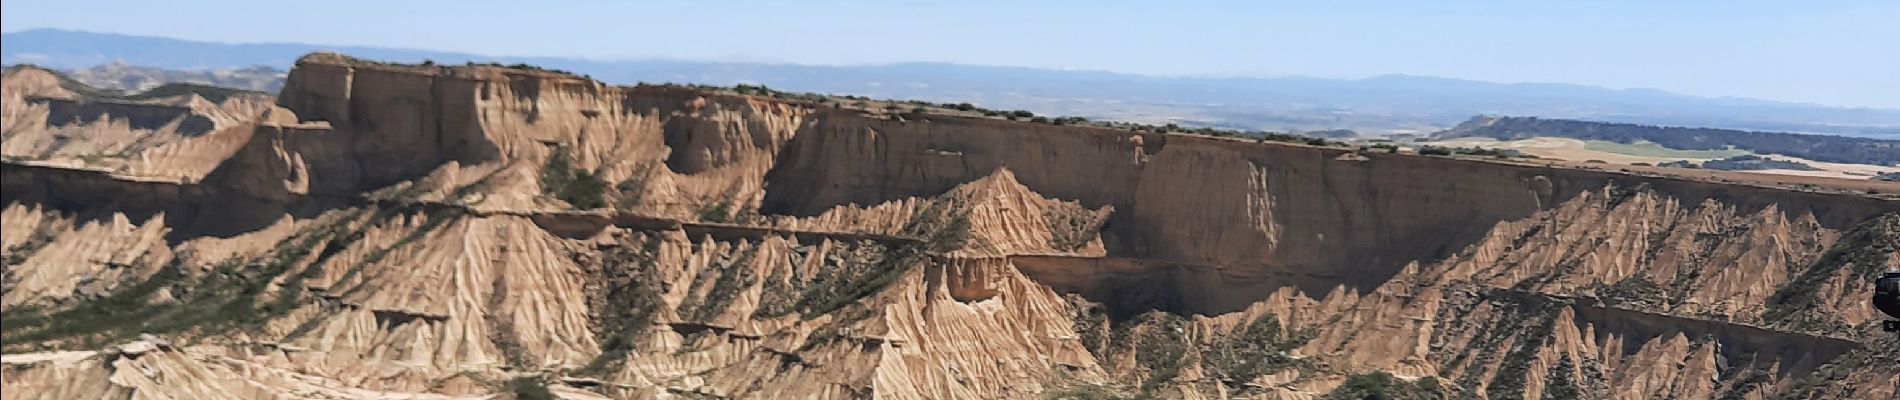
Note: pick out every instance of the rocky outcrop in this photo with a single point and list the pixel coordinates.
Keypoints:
(49, 118)
(441, 232)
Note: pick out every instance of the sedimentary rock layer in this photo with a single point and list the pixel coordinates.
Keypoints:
(444, 232)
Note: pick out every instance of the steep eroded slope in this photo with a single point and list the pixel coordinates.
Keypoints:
(444, 232)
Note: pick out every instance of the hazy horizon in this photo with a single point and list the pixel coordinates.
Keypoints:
(1802, 53)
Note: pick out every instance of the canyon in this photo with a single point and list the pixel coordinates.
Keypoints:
(383, 230)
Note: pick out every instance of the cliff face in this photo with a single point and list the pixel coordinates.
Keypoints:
(437, 232)
(1214, 201)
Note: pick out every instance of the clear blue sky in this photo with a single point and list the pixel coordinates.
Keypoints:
(1827, 52)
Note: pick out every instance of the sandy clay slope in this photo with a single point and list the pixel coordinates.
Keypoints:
(422, 232)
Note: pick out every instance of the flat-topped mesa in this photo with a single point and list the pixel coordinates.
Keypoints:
(394, 123)
(321, 85)
(436, 222)
(678, 152)
(399, 122)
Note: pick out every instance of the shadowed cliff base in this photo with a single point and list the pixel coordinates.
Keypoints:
(189, 210)
(1131, 287)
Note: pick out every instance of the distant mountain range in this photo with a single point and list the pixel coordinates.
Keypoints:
(1393, 103)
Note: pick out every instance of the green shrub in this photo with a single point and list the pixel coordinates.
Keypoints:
(1160, 344)
(1384, 386)
(1069, 230)
(754, 90)
(586, 192)
(628, 301)
(865, 272)
(1562, 385)
(716, 212)
(560, 180)
(530, 388)
(1259, 348)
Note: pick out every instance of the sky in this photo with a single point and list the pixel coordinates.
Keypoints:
(1842, 53)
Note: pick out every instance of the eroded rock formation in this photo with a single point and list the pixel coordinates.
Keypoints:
(393, 231)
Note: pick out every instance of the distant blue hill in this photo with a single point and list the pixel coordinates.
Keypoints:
(1392, 103)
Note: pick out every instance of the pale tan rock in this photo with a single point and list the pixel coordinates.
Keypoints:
(752, 247)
